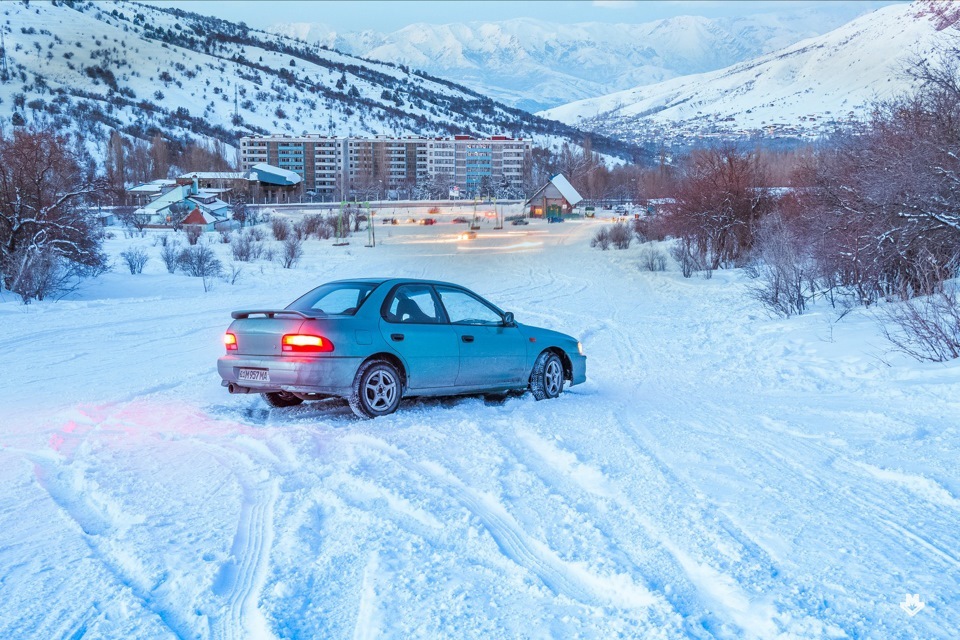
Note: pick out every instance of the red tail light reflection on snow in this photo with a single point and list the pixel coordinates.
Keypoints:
(302, 343)
(230, 342)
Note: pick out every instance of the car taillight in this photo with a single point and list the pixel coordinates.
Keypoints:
(230, 342)
(302, 343)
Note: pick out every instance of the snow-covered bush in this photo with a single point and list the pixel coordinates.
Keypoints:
(48, 239)
(135, 258)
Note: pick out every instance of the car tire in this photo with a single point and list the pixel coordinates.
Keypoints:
(546, 381)
(281, 399)
(377, 390)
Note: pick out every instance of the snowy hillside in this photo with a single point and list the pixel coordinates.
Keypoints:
(536, 63)
(720, 475)
(90, 66)
(803, 89)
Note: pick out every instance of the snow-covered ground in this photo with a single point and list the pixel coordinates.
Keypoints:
(721, 474)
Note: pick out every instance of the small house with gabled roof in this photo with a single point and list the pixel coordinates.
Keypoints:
(556, 197)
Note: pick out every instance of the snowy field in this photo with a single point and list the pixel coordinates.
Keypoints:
(721, 474)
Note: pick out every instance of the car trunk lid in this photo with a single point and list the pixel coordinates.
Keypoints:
(261, 336)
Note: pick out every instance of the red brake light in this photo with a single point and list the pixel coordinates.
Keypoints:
(230, 341)
(302, 343)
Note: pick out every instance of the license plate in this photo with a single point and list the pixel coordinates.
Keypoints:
(254, 375)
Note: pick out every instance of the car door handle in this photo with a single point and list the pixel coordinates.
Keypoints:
(467, 338)
(396, 337)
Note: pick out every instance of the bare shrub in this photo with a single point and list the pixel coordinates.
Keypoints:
(280, 228)
(649, 228)
(783, 270)
(269, 254)
(200, 261)
(687, 257)
(234, 274)
(601, 239)
(292, 252)
(245, 247)
(170, 254)
(653, 259)
(301, 230)
(194, 233)
(225, 236)
(926, 328)
(621, 236)
(135, 258)
(311, 223)
(257, 233)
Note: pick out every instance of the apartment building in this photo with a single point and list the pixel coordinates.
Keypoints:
(338, 167)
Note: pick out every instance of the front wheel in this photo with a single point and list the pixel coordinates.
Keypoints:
(376, 390)
(281, 399)
(546, 381)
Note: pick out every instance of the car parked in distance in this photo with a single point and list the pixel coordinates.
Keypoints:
(519, 222)
(554, 218)
(427, 221)
(467, 235)
(376, 341)
(460, 220)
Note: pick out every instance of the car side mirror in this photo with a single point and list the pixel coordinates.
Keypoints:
(508, 320)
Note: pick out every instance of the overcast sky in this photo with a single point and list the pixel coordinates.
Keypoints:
(390, 16)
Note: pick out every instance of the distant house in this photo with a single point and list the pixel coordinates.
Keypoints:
(205, 220)
(556, 197)
(274, 183)
(143, 193)
(172, 204)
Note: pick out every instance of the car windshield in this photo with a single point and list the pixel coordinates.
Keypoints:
(335, 299)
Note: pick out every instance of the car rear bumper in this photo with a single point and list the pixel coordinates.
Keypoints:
(327, 375)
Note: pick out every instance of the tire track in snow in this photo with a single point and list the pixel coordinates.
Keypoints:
(240, 579)
(563, 578)
(97, 530)
(699, 593)
(368, 614)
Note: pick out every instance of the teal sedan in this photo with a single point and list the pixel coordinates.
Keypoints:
(377, 341)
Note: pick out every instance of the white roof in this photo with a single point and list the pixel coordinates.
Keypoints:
(152, 186)
(217, 175)
(566, 189)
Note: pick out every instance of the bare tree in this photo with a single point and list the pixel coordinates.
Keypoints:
(47, 235)
(719, 202)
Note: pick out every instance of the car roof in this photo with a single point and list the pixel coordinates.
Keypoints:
(393, 281)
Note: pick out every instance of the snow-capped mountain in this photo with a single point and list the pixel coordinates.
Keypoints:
(803, 89)
(93, 66)
(535, 64)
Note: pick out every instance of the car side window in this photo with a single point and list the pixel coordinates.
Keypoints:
(464, 308)
(413, 304)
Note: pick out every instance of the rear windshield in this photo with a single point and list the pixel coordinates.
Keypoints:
(337, 299)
